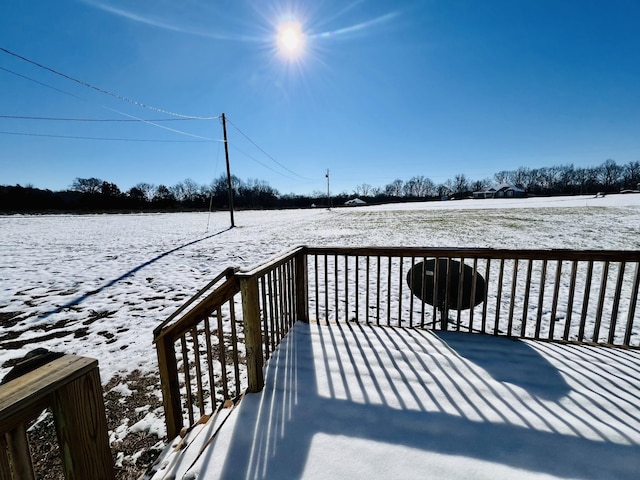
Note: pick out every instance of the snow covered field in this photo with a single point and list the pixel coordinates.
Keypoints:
(97, 285)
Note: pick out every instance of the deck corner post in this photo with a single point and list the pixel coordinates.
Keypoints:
(302, 301)
(252, 332)
(81, 426)
(170, 386)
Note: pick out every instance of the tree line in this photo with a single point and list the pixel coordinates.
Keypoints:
(93, 194)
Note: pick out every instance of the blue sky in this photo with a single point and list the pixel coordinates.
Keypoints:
(381, 89)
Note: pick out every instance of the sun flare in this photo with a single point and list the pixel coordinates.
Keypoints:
(291, 40)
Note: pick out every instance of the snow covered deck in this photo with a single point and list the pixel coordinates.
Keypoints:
(352, 401)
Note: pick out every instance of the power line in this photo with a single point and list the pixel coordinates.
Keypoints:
(68, 119)
(39, 83)
(261, 163)
(106, 138)
(132, 118)
(101, 90)
(269, 156)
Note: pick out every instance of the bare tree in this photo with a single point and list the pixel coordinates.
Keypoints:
(631, 175)
(460, 184)
(394, 189)
(87, 185)
(363, 189)
(147, 190)
(610, 174)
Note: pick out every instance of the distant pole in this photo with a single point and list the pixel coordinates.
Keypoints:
(328, 191)
(226, 154)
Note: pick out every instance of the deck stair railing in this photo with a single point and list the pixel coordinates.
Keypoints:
(215, 346)
(70, 386)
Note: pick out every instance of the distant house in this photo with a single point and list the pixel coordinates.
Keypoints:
(501, 191)
(354, 202)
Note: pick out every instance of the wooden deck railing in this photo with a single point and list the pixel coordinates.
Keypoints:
(559, 295)
(556, 295)
(213, 348)
(70, 387)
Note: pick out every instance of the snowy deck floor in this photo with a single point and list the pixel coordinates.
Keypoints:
(350, 401)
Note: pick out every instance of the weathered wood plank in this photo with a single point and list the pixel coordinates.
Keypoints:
(24, 398)
(18, 449)
(168, 370)
(494, 253)
(251, 315)
(81, 425)
(5, 467)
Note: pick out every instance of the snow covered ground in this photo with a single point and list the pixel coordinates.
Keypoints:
(97, 285)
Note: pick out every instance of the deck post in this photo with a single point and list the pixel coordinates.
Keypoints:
(70, 386)
(302, 301)
(170, 386)
(81, 426)
(252, 333)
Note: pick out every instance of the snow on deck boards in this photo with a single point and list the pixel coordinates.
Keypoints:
(351, 401)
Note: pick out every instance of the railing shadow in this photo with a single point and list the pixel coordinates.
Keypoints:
(377, 386)
(534, 372)
(78, 300)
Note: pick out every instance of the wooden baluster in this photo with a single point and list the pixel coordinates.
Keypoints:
(474, 287)
(554, 304)
(346, 289)
(196, 355)
(400, 283)
(413, 263)
(572, 289)
(632, 306)
(603, 291)
(170, 385)
(514, 281)
(525, 304)
(486, 296)
(18, 449)
(357, 274)
(389, 291)
(543, 278)
(5, 466)
(221, 355)
(212, 378)
(616, 304)
(378, 292)
(367, 295)
(460, 293)
(187, 378)
(585, 301)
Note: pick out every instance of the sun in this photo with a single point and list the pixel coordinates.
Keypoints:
(290, 40)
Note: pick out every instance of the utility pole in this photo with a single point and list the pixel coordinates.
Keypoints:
(328, 191)
(226, 154)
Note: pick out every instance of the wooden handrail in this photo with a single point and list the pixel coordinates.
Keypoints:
(226, 273)
(221, 294)
(272, 264)
(494, 253)
(71, 387)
